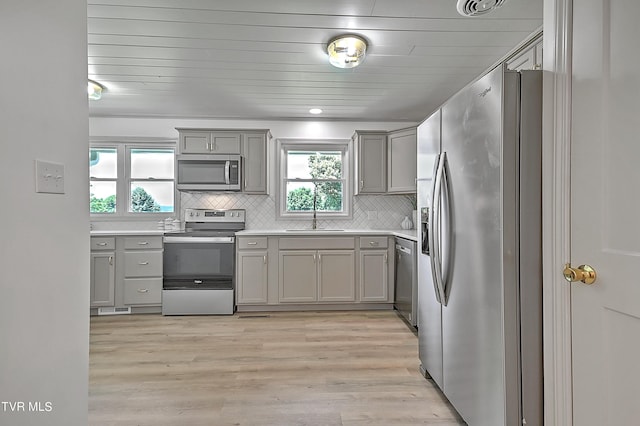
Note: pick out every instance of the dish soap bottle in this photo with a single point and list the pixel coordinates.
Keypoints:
(406, 223)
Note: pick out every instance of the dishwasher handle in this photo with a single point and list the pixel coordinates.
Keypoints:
(403, 249)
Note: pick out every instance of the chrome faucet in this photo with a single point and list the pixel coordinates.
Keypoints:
(314, 222)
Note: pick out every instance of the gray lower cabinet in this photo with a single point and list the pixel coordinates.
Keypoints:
(142, 281)
(298, 276)
(142, 291)
(317, 276)
(327, 270)
(374, 269)
(126, 271)
(103, 279)
(316, 269)
(336, 276)
(252, 267)
(374, 272)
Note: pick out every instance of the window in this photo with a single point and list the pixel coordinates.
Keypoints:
(314, 176)
(128, 180)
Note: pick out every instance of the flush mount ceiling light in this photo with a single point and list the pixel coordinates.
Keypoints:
(94, 90)
(315, 111)
(346, 51)
(478, 7)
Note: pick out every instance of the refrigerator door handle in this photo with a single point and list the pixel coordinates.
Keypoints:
(434, 232)
(445, 257)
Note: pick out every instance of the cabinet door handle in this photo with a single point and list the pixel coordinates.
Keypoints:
(361, 184)
(143, 290)
(319, 258)
(252, 243)
(386, 258)
(110, 260)
(264, 259)
(143, 243)
(102, 244)
(373, 243)
(314, 258)
(143, 263)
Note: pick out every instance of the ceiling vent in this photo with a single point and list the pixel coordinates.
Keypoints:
(478, 7)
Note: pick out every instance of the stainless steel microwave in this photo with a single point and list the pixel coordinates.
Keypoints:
(208, 172)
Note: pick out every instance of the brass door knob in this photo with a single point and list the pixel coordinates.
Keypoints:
(583, 273)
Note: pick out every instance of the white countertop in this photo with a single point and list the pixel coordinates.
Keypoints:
(107, 232)
(410, 234)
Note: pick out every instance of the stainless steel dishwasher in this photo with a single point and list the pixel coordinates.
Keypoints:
(406, 280)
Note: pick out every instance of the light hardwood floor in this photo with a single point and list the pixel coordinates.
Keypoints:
(284, 369)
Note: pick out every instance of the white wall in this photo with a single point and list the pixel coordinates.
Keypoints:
(165, 127)
(44, 263)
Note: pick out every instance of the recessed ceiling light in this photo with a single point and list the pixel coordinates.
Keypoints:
(315, 111)
(94, 90)
(346, 51)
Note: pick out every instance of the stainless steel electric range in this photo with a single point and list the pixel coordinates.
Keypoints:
(199, 264)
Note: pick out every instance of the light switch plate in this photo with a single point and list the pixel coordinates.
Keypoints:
(49, 177)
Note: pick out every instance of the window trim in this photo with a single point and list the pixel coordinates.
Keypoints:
(123, 180)
(285, 145)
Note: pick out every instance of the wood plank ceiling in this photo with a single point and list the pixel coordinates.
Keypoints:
(266, 59)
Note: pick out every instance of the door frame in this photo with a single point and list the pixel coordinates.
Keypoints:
(556, 211)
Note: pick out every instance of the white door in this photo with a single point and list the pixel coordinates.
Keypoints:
(605, 212)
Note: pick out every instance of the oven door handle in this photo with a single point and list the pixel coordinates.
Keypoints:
(199, 240)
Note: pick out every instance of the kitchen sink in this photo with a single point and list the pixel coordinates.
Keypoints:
(314, 230)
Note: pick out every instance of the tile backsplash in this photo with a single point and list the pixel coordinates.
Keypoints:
(369, 211)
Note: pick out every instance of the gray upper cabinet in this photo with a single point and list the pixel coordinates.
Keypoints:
(528, 59)
(194, 142)
(401, 164)
(252, 144)
(254, 153)
(371, 162)
(207, 141)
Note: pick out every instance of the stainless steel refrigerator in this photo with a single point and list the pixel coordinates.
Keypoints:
(479, 268)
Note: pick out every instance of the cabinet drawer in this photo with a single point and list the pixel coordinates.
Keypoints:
(142, 243)
(374, 242)
(143, 264)
(252, 243)
(143, 291)
(103, 243)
